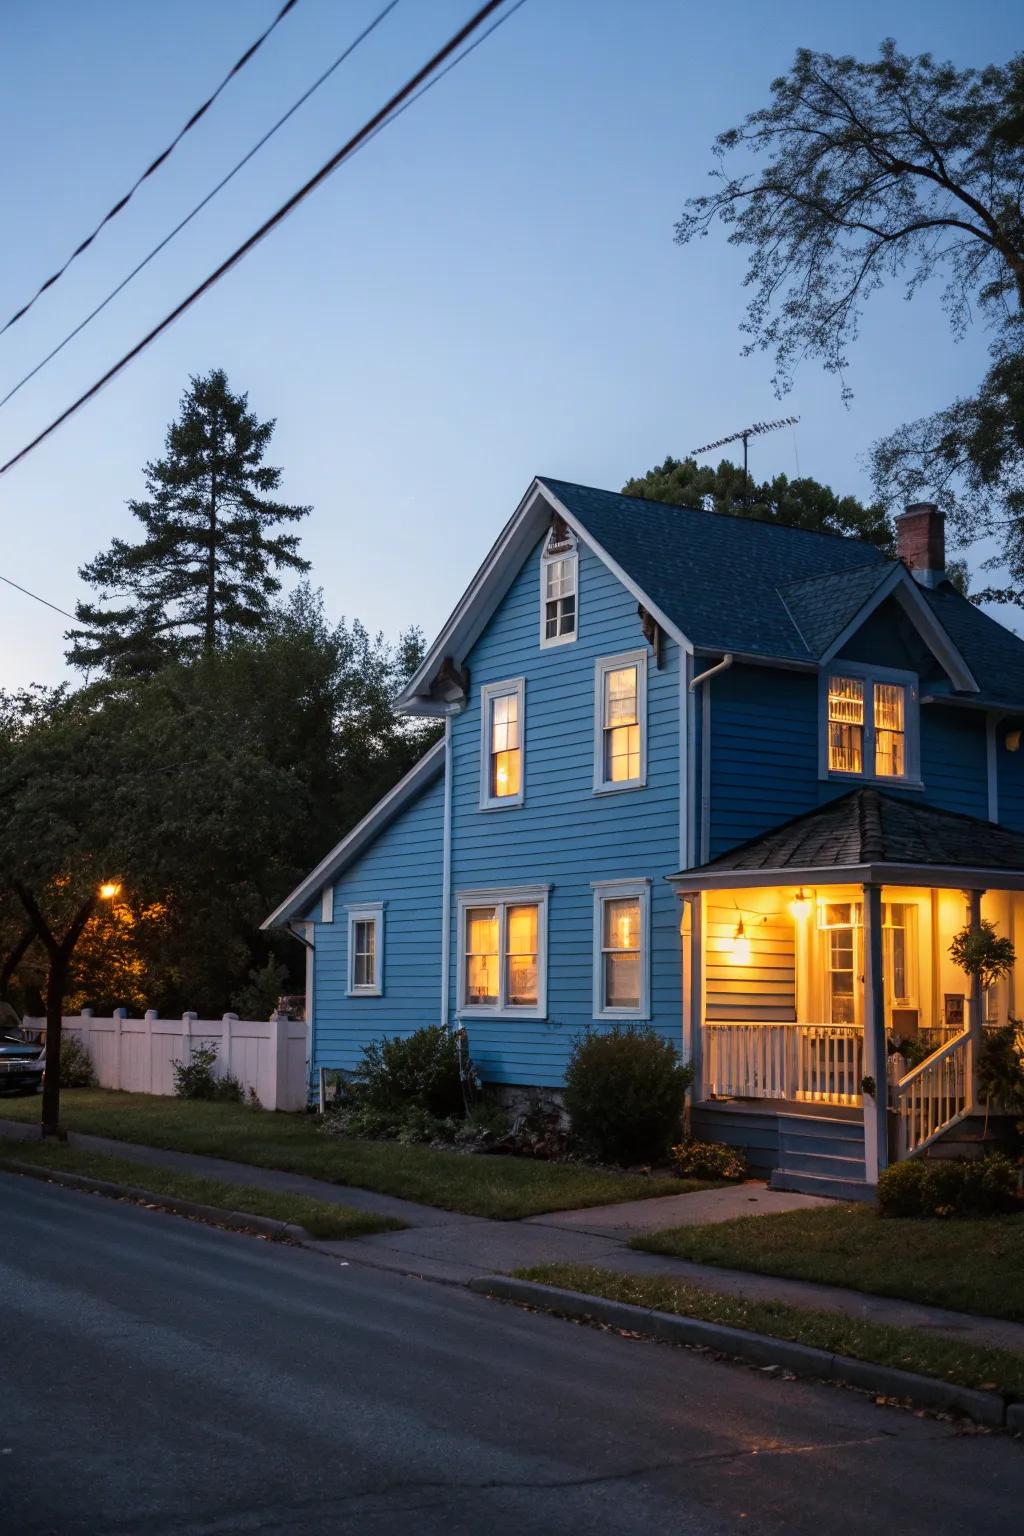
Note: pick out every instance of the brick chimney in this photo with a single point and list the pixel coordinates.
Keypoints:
(921, 542)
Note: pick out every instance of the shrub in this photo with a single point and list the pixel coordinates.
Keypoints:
(624, 1091)
(195, 1078)
(423, 1069)
(76, 1068)
(948, 1187)
(708, 1160)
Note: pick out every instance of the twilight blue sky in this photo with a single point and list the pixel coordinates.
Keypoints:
(489, 291)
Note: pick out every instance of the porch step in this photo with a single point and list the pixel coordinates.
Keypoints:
(821, 1184)
(827, 1164)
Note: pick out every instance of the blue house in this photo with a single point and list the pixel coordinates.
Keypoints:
(739, 781)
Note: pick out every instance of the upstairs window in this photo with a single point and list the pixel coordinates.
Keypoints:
(501, 746)
(620, 722)
(502, 952)
(870, 725)
(559, 577)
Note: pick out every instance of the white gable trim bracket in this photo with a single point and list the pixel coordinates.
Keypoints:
(904, 589)
(495, 576)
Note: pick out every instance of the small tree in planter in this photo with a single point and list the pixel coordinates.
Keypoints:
(982, 955)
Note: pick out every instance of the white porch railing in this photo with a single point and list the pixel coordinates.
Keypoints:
(932, 1096)
(815, 1063)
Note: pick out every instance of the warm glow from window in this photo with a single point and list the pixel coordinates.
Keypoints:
(890, 730)
(621, 726)
(506, 755)
(867, 727)
(621, 952)
(521, 956)
(846, 725)
(482, 955)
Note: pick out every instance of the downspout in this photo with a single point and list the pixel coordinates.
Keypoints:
(705, 752)
(446, 872)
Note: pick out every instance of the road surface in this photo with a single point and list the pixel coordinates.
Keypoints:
(166, 1378)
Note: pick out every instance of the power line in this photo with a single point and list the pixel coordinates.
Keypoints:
(201, 205)
(155, 165)
(45, 601)
(357, 139)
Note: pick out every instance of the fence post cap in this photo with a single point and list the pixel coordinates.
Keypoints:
(188, 1017)
(151, 1013)
(120, 1013)
(86, 1013)
(233, 1017)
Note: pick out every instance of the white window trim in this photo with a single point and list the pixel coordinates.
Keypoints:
(602, 666)
(546, 559)
(368, 912)
(489, 692)
(327, 904)
(504, 897)
(612, 890)
(909, 680)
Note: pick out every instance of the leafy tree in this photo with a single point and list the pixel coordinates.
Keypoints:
(801, 503)
(900, 168)
(206, 567)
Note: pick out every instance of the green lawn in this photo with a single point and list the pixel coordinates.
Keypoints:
(967, 1365)
(971, 1266)
(505, 1188)
(319, 1217)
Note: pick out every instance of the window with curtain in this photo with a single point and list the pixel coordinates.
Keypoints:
(870, 731)
(621, 949)
(503, 707)
(502, 959)
(621, 721)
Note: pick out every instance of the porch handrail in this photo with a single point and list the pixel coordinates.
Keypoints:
(812, 1062)
(932, 1096)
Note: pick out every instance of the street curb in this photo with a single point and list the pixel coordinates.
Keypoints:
(269, 1225)
(989, 1408)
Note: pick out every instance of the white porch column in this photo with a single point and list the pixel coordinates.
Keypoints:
(690, 949)
(876, 1105)
(975, 1009)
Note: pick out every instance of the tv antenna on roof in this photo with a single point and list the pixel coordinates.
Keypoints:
(744, 436)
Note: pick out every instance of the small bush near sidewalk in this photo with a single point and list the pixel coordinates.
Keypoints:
(709, 1160)
(321, 1218)
(968, 1265)
(196, 1079)
(475, 1131)
(624, 1090)
(422, 1071)
(908, 1349)
(948, 1187)
(76, 1068)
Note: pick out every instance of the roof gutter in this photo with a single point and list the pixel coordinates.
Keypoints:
(703, 677)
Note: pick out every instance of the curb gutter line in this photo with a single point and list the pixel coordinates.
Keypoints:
(241, 1220)
(989, 1408)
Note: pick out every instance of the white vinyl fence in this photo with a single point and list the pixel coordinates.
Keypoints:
(270, 1057)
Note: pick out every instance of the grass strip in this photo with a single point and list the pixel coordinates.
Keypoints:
(968, 1265)
(504, 1188)
(966, 1365)
(319, 1217)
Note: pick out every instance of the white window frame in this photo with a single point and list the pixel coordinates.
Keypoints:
(368, 912)
(912, 723)
(602, 666)
(502, 898)
(488, 693)
(548, 558)
(614, 890)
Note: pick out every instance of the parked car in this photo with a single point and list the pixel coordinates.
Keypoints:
(22, 1059)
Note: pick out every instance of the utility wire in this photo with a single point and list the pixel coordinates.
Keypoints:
(354, 143)
(201, 205)
(154, 166)
(45, 601)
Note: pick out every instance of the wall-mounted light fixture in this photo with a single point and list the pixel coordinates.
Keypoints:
(801, 904)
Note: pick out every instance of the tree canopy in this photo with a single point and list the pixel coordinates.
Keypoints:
(861, 173)
(207, 566)
(800, 503)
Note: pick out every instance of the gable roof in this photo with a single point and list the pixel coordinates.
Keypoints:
(996, 654)
(721, 583)
(869, 829)
(422, 774)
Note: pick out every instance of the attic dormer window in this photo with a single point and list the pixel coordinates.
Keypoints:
(559, 575)
(870, 723)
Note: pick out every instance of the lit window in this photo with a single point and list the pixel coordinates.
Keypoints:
(366, 950)
(840, 924)
(620, 723)
(559, 567)
(502, 952)
(501, 767)
(899, 933)
(870, 727)
(621, 949)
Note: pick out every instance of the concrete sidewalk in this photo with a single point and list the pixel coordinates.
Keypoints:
(451, 1247)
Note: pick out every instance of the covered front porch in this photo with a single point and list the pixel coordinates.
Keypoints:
(829, 1028)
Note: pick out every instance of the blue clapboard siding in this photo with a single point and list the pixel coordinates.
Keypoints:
(954, 760)
(402, 869)
(564, 835)
(1010, 776)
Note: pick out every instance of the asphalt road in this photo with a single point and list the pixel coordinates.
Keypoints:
(164, 1377)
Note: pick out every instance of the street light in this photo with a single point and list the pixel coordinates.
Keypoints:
(109, 889)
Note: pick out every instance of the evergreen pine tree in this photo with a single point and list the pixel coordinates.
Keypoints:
(206, 567)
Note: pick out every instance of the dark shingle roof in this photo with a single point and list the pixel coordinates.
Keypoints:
(871, 827)
(717, 577)
(764, 589)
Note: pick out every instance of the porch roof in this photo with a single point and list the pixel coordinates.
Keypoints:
(869, 836)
